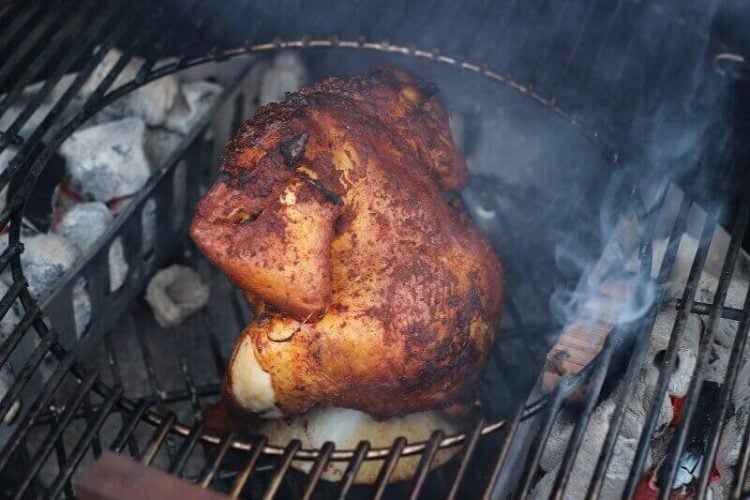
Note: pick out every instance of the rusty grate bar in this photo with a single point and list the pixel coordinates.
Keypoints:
(248, 468)
(317, 470)
(158, 438)
(388, 467)
(278, 476)
(469, 449)
(425, 462)
(183, 454)
(351, 470)
(211, 469)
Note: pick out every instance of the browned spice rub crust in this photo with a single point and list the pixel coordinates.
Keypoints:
(373, 292)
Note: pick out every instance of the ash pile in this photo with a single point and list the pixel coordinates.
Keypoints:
(643, 397)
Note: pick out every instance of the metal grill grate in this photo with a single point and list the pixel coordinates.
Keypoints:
(75, 410)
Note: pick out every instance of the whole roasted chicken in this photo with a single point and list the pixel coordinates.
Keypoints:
(371, 291)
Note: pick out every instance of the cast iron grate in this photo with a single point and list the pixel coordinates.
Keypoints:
(45, 42)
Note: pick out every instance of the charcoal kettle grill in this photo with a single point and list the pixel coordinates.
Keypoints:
(592, 67)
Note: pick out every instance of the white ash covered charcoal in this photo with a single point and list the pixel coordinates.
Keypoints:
(192, 103)
(554, 449)
(175, 293)
(725, 333)
(588, 457)
(150, 102)
(687, 347)
(731, 434)
(287, 73)
(643, 395)
(107, 161)
(82, 226)
(45, 259)
(160, 143)
(84, 223)
(634, 418)
(641, 401)
(684, 260)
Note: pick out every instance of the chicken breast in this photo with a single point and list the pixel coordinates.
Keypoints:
(372, 292)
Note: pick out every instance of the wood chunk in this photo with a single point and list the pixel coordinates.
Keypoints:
(584, 338)
(115, 477)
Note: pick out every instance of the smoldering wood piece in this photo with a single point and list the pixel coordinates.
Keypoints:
(584, 337)
(115, 477)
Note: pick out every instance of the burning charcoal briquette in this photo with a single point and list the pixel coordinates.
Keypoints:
(730, 443)
(45, 259)
(107, 161)
(191, 105)
(82, 225)
(160, 143)
(150, 102)
(286, 74)
(175, 293)
(619, 467)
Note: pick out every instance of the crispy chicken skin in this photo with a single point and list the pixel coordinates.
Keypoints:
(371, 291)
